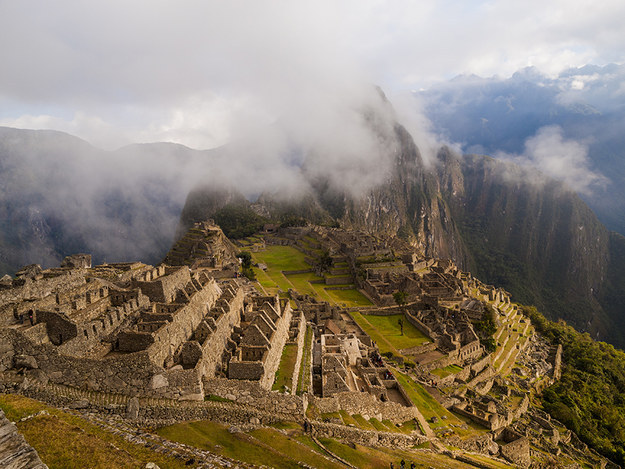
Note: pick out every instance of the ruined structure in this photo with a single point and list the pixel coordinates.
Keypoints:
(263, 333)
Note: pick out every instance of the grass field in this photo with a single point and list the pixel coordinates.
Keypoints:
(388, 326)
(365, 457)
(66, 441)
(284, 375)
(301, 283)
(282, 258)
(303, 382)
(446, 371)
(385, 331)
(351, 297)
(262, 447)
(279, 259)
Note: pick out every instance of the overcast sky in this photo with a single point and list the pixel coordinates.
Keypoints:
(197, 72)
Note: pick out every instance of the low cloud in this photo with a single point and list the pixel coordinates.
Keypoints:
(560, 158)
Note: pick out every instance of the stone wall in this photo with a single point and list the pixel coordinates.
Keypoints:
(215, 344)
(252, 393)
(130, 374)
(557, 363)
(419, 325)
(43, 287)
(278, 340)
(301, 335)
(58, 326)
(366, 405)
(163, 289)
(246, 370)
(159, 412)
(170, 337)
(90, 333)
(479, 365)
(365, 437)
(338, 280)
(417, 349)
(515, 448)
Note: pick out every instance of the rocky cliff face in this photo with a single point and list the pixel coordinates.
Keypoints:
(409, 203)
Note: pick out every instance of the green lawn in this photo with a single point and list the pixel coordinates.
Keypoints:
(389, 328)
(282, 258)
(287, 258)
(386, 332)
(379, 425)
(284, 375)
(301, 283)
(351, 297)
(365, 457)
(383, 344)
(303, 382)
(363, 423)
(216, 438)
(266, 281)
(348, 419)
(448, 370)
(272, 280)
(294, 447)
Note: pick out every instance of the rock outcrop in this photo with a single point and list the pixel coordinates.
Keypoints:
(15, 453)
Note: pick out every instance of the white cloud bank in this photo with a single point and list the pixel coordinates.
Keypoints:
(191, 72)
(560, 158)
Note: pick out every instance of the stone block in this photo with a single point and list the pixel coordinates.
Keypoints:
(79, 404)
(158, 381)
(132, 409)
(25, 361)
(38, 376)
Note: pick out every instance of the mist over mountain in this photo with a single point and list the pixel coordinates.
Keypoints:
(570, 127)
(61, 195)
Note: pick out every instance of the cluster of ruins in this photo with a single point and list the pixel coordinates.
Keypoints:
(184, 328)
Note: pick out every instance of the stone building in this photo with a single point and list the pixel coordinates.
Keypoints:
(263, 333)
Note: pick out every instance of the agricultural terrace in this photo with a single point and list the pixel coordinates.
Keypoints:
(287, 446)
(446, 423)
(281, 259)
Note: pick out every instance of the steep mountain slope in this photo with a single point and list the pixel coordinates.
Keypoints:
(533, 236)
(492, 115)
(409, 203)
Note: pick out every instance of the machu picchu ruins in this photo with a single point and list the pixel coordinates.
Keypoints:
(137, 341)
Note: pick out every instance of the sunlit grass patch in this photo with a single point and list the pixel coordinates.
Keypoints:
(284, 374)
